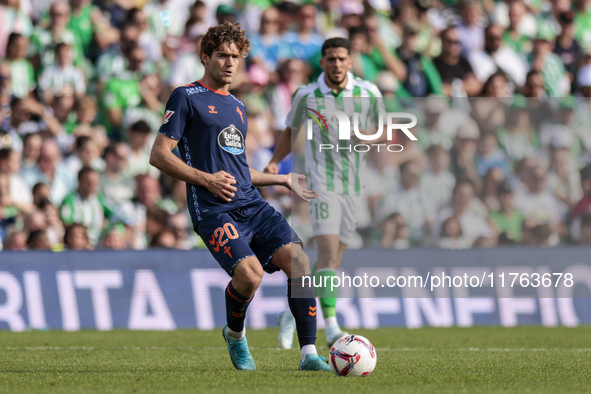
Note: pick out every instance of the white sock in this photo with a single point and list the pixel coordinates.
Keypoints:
(331, 321)
(308, 349)
(236, 335)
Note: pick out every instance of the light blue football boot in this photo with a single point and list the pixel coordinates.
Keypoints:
(314, 362)
(239, 352)
(287, 327)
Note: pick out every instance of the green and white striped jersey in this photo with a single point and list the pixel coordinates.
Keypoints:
(90, 212)
(329, 169)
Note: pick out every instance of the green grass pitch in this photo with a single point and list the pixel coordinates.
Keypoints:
(427, 360)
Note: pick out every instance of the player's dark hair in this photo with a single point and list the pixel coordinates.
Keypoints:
(85, 170)
(141, 125)
(226, 33)
(336, 42)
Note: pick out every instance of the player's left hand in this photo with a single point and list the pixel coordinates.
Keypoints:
(297, 189)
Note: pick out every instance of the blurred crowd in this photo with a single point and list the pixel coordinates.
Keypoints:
(83, 86)
(483, 172)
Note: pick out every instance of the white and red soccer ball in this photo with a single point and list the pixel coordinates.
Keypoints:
(352, 355)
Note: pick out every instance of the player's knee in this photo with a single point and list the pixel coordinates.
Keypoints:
(247, 277)
(300, 263)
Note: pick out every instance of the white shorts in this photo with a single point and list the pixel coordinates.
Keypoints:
(335, 214)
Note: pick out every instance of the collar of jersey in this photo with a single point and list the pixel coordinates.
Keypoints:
(325, 89)
(213, 90)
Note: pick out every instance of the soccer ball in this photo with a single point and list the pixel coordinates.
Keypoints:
(352, 355)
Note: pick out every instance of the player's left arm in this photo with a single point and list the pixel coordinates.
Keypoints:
(290, 181)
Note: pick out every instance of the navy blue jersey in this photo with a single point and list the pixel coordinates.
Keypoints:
(210, 127)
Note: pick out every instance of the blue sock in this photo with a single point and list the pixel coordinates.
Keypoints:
(303, 310)
(236, 305)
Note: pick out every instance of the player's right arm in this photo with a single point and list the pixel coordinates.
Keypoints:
(294, 122)
(161, 156)
(282, 149)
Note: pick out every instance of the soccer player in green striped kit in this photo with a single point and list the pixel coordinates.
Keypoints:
(334, 174)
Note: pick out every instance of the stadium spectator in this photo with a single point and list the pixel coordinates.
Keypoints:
(422, 78)
(85, 154)
(114, 237)
(464, 151)
(537, 202)
(20, 193)
(471, 27)
(488, 193)
(31, 150)
(44, 41)
(15, 240)
(408, 199)
(305, 42)
(22, 75)
(455, 70)
(116, 181)
(55, 227)
(495, 56)
(76, 238)
(550, 66)
(472, 225)
(564, 180)
(87, 206)
(395, 232)
(140, 139)
(62, 76)
(268, 47)
(583, 206)
(451, 235)
(164, 239)
(38, 241)
(517, 138)
(566, 46)
(516, 36)
(51, 171)
(507, 221)
(489, 155)
(438, 181)
(179, 225)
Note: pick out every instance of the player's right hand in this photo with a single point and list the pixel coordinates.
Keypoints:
(272, 168)
(220, 184)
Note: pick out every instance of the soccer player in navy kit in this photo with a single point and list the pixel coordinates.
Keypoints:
(242, 231)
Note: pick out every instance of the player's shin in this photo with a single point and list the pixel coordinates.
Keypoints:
(236, 306)
(302, 304)
(327, 295)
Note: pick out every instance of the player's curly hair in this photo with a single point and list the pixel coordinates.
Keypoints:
(227, 32)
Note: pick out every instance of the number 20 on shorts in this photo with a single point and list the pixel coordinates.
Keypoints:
(227, 229)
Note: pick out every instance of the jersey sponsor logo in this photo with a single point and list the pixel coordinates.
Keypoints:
(167, 116)
(231, 140)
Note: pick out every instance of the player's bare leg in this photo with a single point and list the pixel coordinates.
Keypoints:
(246, 279)
(292, 260)
(330, 255)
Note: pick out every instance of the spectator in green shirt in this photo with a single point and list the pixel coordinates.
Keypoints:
(22, 75)
(507, 221)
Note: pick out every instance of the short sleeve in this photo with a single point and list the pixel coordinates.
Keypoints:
(176, 115)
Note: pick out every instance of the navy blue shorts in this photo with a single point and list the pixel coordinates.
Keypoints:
(257, 230)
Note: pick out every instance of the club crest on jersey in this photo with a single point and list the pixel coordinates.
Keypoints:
(231, 140)
(167, 116)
